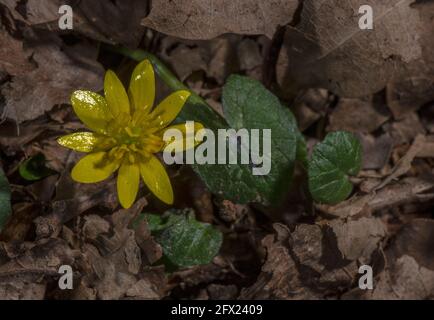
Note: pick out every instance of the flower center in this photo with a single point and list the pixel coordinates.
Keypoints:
(132, 142)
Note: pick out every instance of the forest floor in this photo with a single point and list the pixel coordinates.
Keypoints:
(381, 91)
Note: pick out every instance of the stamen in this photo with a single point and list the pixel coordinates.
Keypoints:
(131, 133)
(131, 157)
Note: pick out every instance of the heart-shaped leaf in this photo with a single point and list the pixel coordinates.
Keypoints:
(247, 104)
(339, 155)
(185, 241)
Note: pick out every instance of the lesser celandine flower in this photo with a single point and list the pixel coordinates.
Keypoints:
(126, 134)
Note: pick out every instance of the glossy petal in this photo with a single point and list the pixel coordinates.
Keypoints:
(115, 94)
(93, 168)
(188, 139)
(168, 109)
(142, 87)
(155, 177)
(79, 141)
(92, 109)
(128, 183)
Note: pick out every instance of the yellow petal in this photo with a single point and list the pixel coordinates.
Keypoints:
(115, 94)
(79, 141)
(93, 168)
(189, 140)
(92, 109)
(155, 177)
(142, 87)
(169, 108)
(128, 183)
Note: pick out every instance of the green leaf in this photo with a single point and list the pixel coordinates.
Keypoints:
(248, 104)
(185, 241)
(34, 168)
(232, 182)
(5, 199)
(339, 155)
(156, 222)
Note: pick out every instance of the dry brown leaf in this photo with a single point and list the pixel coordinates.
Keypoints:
(404, 164)
(112, 260)
(199, 275)
(328, 253)
(376, 151)
(143, 289)
(206, 19)
(417, 239)
(409, 94)
(356, 115)
(358, 239)
(309, 106)
(72, 199)
(427, 151)
(107, 21)
(338, 279)
(185, 60)
(26, 275)
(29, 136)
(249, 54)
(43, 257)
(406, 129)
(406, 279)
(20, 222)
(13, 58)
(408, 190)
(322, 264)
(217, 58)
(21, 290)
(279, 277)
(409, 272)
(305, 116)
(328, 49)
(30, 95)
(306, 243)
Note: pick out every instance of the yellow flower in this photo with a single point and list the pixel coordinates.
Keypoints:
(126, 134)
